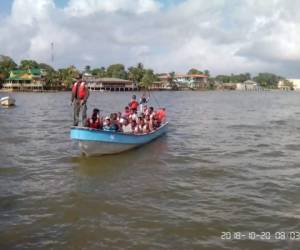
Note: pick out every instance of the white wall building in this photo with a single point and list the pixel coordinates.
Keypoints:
(247, 85)
(296, 83)
(196, 81)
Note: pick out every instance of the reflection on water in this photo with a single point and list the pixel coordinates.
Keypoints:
(229, 163)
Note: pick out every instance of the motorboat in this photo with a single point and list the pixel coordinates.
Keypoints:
(100, 142)
(7, 101)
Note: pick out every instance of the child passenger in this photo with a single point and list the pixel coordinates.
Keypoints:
(126, 112)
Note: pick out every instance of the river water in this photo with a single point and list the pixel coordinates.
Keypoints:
(229, 165)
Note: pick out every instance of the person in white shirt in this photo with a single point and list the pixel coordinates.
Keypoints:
(126, 126)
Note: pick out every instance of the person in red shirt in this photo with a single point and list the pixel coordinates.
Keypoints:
(133, 105)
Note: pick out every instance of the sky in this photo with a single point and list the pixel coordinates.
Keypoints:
(222, 36)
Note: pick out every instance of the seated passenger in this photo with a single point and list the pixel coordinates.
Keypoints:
(108, 125)
(126, 112)
(134, 127)
(147, 121)
(153, 123)
(156, 123)
(161, 115)
(150, 112)
(119, 116)
(95, 121)
(114, 121)
(133, 115)
(126, 126)
(133, 105)
(146, 129)
(140, 124)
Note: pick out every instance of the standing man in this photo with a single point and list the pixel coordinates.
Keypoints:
(143, 102)
(80, 94)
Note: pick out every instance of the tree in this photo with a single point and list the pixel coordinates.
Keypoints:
(240, 77)
(211, 83)
(223, 78)
(172, 77)
(52, 80)
(28, 64)
(172, 81)
(46, 67)
(6, 65)
(99, 72)
(87, 69)
(136, 73)
(117, 71)
(51, 77)
(148, 78)
(66, 76)
(206, 72)
(268, 80)
(194, 72)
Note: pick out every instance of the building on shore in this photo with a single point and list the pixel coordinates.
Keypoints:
(109, 84)
(248, 86)
(294, 82)
(225, 86)
(164, 83)
(285, 85)
(181, 82)
(191, 81)
(25, 80)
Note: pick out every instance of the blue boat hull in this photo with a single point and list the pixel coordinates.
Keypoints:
(99, 142)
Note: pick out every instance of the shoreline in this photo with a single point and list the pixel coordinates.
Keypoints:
(141, 90)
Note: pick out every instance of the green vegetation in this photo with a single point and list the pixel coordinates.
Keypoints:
(148, 78)
(267, 80)
(63, 78)
(28, 64)
(194, 71)
(136, 73)
(233, 78)
(6, 65)
(116, 71)
(99, 72)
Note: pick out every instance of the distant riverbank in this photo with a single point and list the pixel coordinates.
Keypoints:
(141, 90)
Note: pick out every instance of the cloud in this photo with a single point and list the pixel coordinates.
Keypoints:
(221, 36)
(88, 7)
